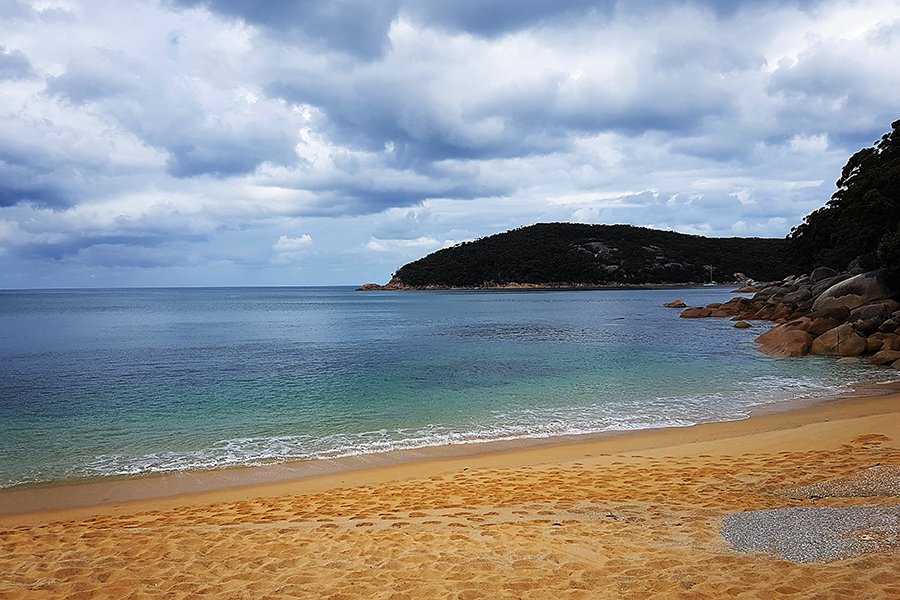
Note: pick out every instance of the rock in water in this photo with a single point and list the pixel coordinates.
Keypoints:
(675, 304)
(885, 357)
(785, 340)
(876, 342)
(840, 341)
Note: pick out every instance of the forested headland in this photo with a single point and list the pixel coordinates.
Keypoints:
(857, 230)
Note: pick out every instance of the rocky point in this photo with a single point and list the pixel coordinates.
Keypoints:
(824, 313)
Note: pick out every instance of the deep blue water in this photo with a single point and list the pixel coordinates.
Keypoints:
(132, 381)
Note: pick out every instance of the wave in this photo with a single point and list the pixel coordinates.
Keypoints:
(529, 423)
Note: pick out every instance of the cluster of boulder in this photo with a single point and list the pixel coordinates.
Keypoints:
(825, 313)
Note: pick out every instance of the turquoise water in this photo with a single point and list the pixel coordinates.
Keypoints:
(132, 381)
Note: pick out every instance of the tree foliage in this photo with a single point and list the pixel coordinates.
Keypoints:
(569, 253)
(860, 223)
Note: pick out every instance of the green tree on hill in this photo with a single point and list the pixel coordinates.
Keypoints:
(581, 254)
(861, 221)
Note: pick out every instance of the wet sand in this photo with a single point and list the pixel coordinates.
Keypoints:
(626, 516)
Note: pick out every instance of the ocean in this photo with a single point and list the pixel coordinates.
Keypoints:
(127, 382)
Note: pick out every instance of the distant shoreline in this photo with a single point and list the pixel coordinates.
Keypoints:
(519, 287)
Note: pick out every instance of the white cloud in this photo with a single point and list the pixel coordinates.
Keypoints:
(418, 244)
(292, 250)
(295, 244)
(809, 144)
(190, 134)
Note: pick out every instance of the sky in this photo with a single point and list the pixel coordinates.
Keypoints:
(328, 142)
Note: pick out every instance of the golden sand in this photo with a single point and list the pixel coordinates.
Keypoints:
(632, 516)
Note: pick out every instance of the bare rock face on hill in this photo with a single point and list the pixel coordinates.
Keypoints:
(825, 313)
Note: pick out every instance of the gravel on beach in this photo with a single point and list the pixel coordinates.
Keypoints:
(815, 534)
(879, 480)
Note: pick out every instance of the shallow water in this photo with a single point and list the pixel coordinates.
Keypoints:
(132, 381)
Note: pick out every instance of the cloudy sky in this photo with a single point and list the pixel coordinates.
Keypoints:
(222, 142)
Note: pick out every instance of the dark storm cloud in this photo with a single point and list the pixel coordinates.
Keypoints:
(370, 191)
(170, 115)
(676, 88)
(729, 8)
(14, 64)
(127, 244)
(357, 28)
(363, 199)
(226, 153)
(30, 176)
(839, 84)
(660, 101)
(78, 244)
(490, 18)
(422, 121)
(12, 9)
(134, 135)
(825, 74)
(369, 113)
(98, 76)
(361, 28)
(13, 192)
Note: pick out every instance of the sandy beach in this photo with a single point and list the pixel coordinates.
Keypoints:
(638, 515)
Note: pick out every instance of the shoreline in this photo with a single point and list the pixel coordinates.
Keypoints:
(801, 503)
(539, 287)
(41, 503)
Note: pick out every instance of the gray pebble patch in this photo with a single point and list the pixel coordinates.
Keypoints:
(814, 534)
(880, 480)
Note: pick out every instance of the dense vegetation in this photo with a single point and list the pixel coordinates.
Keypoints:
(569, 253)
(860, 223)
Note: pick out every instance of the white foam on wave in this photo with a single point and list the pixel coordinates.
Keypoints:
(529, 423)
(533, 423)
